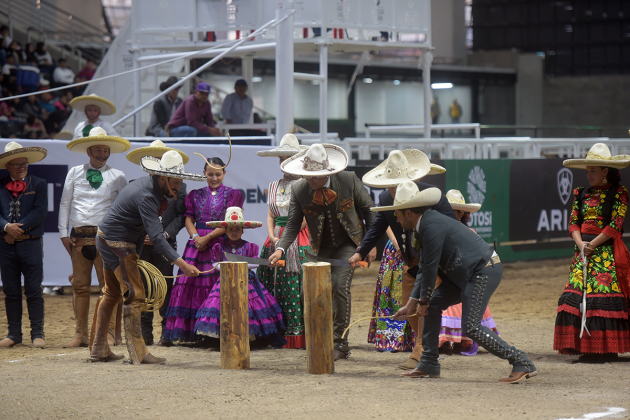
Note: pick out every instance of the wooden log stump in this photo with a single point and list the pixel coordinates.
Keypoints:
(234, 316)
(318, 318)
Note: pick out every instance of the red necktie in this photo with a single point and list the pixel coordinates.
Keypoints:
(163, 206)
(16, 187)
(324, 196)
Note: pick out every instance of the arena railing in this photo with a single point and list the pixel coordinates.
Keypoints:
(412, 127)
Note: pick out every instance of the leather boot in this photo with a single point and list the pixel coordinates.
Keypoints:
(81, 310)
(133, 334)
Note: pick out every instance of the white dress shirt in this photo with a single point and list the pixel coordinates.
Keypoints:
(78, 132)
(82, 205)
(63, 75)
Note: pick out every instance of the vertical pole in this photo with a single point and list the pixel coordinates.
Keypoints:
(234, 316)
(137, 98)
(318, 321)
(427, 58)
(248, 75)
(323, 90)
(284, 74)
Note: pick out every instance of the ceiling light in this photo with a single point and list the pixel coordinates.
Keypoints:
(367, 80)
(396, 82)
(441, 85)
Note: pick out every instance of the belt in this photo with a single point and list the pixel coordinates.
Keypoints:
(492, 261)
(25, 237)
(83, 231)
(202, 225)
(115, 244)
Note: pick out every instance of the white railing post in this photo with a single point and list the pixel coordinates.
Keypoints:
(284, 74)
(427, 58)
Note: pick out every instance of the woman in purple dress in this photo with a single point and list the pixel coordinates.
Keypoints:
(202, 205)
(265, 314)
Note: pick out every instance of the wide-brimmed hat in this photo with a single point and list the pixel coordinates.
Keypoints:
(156, 149)
(170, 165)
(234, 217)
(63, 135)
(321, 159)
(599, 155)
(289, 146)
(400, 166)
(98, 137)
(15, 150)
(408, 196)
(80, 102)
(168, 83)
(436, 169)
(457, 202)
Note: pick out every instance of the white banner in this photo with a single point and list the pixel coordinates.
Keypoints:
(247, 172)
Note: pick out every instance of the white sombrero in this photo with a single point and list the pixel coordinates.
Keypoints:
(457, 202)
(289, 145)
(15, 150)
(400, 166)
(599, 155)
(436, 169)
(156, 149)
(80, 102)
(63, 135)
(170, 165)
(234, 217)
(318, 160)
(98, 137)
(408, 196)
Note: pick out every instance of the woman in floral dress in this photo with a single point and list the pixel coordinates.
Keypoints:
(596, 226)
(202, 205)
(285, 283)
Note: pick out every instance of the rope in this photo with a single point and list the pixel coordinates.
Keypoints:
(369, 317)
(229, 159)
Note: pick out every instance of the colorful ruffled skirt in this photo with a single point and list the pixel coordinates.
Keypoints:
(189, 293)
(388, 334)
(286, 286)
(265, 315)
(606, 308)
(452, 327)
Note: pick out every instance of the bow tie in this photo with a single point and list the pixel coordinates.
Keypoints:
(86, 130)
(16, 187)
(324, 196)
(95, 178)
(163, 206)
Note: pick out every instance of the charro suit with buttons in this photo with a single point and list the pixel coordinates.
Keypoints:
(24, 256)
(471, 278)
(335, 231)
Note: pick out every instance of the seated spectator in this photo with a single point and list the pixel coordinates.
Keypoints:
(29, 51)
(28, 76)
(10, 67)
(3, 53)
(194, 117)
(163, 109)
(42, 56)
(78, 90)
(34, 128)
(63, 75)
(16, 50)
(61, 113)
(88, 71)
(237, 106)
(46, 101)
(6, 109)
(4, 32)
(31, 107)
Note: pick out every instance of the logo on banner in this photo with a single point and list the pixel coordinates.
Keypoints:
(476, 185)
(565, 183)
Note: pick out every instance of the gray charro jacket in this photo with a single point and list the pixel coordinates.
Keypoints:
(451, 246)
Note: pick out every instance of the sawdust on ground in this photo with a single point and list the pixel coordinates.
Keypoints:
(57, 383)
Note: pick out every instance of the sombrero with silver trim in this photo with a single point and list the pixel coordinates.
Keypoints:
(80, 102)
(98, 137)
(599, 155)
(156, 149)
(458, 202)
(234, 217)
(321, 159)
(400, 166)
(63, 135)
(170, 165)
(289, 146)
(14, 150)
(409, 196)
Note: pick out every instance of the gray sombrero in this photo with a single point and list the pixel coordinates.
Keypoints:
(171, 165)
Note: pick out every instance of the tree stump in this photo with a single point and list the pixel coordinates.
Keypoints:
(234, 316)
(318, 318)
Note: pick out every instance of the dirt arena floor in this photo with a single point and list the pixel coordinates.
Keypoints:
(57, 383)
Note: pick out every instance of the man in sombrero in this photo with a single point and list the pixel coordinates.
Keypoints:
(336, 206)
(400, 166)
(121, 234)
(23, 209)
(88, 193)
(94, 107)
(172, 220)
(472, 276)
